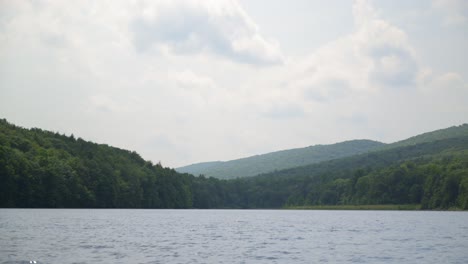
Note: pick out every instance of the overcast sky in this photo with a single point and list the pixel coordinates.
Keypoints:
(189, 81)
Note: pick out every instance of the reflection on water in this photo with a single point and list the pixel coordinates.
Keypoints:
(231, 236)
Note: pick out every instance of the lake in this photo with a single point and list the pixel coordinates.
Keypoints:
(231, 236)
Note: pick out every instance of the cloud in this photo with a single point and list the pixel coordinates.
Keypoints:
(375, 55)
(187, 79)
(394, 68)
(328, 89)
(191, 27)
(284, 111)
(444, 96)
(102, 104)
(355, 119)
(196, 90)
(162, 148)
(393, 62)
(175, 78)
(450, 80)
(454, 11)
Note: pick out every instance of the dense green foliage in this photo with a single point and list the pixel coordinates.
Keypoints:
(45, 169)
(279, 160)
(446, 133)
(433, 174)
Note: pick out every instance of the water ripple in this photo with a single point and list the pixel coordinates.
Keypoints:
(231, 236)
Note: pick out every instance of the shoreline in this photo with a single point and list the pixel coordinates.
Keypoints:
(389, 207)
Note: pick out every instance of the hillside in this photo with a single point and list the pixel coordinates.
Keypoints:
(279, 160)
(432, 174)
(451, 132)
(42, 169)
(430, 169)
(199, 168)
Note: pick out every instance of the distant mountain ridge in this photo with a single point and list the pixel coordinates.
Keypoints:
(279, 160)
(199, 168)
(286, 159)
(440, 134)
(43, 169)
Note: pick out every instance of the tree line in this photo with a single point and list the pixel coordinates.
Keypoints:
(42, 169)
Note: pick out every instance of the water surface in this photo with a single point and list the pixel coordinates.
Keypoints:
(231, 236)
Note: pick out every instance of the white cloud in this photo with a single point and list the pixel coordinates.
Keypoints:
(444, 96)
(375, 56)
(191, 27)
(449, 80)
(189, 80)
(454, 11)
(284, 111)
(163, 78)
(393, 62)
(371, 80)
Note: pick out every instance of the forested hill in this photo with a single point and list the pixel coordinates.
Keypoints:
(44, 169)
(432, 175)
(292, 158)
(451, 132)
(199, 168)
(280, 160)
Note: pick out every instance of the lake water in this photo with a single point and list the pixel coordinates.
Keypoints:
(231, 236)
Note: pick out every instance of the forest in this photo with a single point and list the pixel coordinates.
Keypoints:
(280, 160)
(43, 169)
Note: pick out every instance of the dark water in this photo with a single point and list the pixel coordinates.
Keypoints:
(231, 236)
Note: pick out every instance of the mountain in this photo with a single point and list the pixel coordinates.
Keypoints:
(279, 160)
(433, 174)
(42, 169)
(199, 168)
(451, 132)
(251, 166)
(430, 169)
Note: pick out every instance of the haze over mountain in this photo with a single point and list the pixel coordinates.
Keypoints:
(251, 166)
(254, 165)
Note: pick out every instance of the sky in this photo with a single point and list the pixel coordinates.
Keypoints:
(188, 81)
